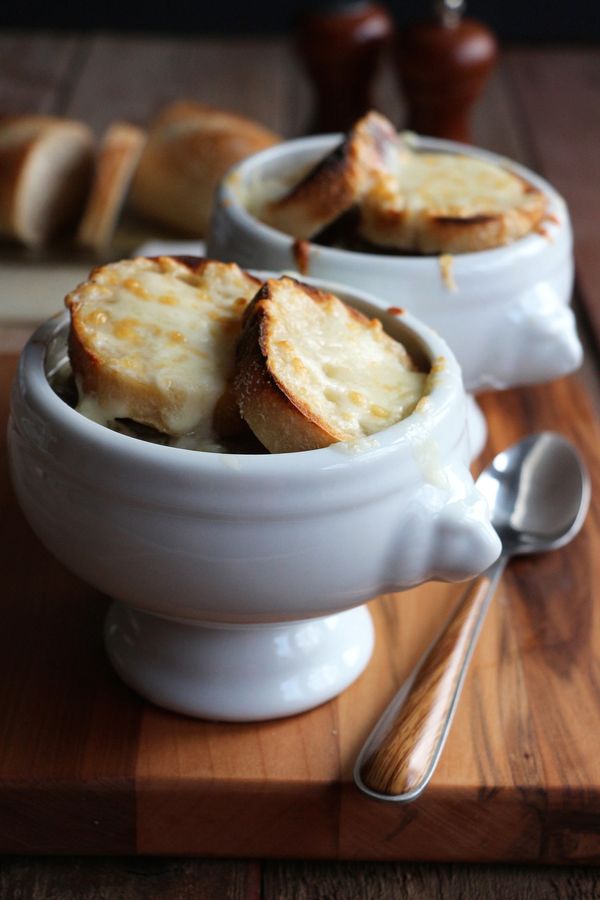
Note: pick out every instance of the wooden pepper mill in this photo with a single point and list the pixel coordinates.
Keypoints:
(340, 45)
(443, 63)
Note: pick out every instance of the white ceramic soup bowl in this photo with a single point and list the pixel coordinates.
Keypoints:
(239, 581)
(505, 312)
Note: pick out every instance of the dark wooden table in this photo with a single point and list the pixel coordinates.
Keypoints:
(541, 107)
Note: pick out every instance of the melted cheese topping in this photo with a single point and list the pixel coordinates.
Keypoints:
(447, 184)
(446, 261)
(345, 369)
(414, 187)
(165, 340)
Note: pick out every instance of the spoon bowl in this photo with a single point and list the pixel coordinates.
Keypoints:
(538, 491)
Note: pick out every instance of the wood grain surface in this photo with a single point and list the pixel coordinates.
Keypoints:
(524, 735)
(86, 766)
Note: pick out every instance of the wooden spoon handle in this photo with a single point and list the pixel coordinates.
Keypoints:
(401, 754)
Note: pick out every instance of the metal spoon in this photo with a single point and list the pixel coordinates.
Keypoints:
(538, 492)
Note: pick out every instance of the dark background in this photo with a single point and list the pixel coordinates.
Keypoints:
(514, 20)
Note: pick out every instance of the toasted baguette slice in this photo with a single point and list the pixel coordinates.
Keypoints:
(190, 147)
(449, 203)
(339, 181)
(118, 157)
(153, 340)
(312, 371)
(45, 172)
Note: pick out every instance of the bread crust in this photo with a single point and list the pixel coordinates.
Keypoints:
(33, 207)
(104, 378)
(118, 157)
(279, 412)
(337, 182)
(190, 147)
(282, 422)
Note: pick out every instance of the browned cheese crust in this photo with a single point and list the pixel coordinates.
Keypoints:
(390, 221)
(312, 370)
(133, 390)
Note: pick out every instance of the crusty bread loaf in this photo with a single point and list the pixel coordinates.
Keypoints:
(339, 181)
(45, 172)
(449, 203)
(117, 159)
(189, 149)
(312, 371)
(153, 340)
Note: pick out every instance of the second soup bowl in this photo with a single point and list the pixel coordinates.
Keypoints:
(504, 312)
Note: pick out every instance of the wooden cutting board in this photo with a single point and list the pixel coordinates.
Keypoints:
(88, 767)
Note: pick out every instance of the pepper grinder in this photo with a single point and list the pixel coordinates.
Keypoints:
(443, 63)
(340, 45)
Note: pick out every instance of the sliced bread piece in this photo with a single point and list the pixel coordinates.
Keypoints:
(189, 149)
(45, 171)
(312, 370)
(153, 340)
(339, 181)
(449, 203)
(117, 159)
